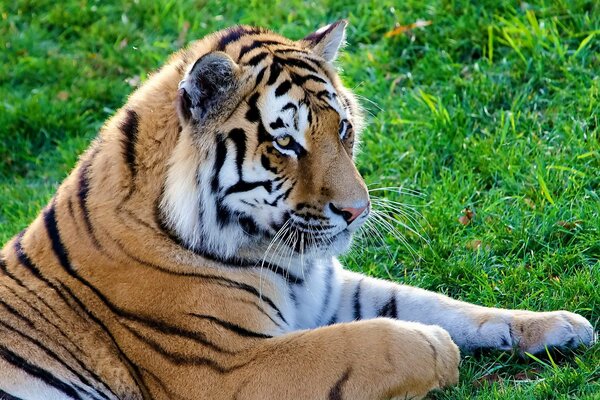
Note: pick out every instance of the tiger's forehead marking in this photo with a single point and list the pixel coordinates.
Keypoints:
(298, 85)
(288, 108)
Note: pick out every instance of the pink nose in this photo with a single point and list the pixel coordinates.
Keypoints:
(349, 213)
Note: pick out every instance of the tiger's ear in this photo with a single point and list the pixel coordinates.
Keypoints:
(206, 86)
(327, 41)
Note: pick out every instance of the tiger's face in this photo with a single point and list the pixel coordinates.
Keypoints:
(272, 133)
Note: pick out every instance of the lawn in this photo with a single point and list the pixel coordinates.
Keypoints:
(486, 119)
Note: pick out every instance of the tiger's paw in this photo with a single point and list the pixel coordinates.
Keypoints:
(446, 356)
(534, 331)
(428, 357)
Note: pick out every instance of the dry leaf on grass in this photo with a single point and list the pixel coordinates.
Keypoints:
(529, 203)
(523, 376)
(405, 28)
(489, 378)
(569, 225)
(62, 95)
(530, 375)
(467, 216)
(473, 245)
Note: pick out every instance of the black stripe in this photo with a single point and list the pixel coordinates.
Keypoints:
(254, 61)
(357, 306)
(274, 72)
(27, 263)
(129, 127)
(266, 164)
(243, 186)
(389, 309)
(6, 272)
(289, 191)
(256, 44)
(221, 153)
(7, 396)
(287, 50)
(82, 195)
(324, 93)
(281, 183)
(234, 34)
(249, 47)
(55, 240)
(37, 310)
(16, 313)
(277, 124)
(182, 359)
(249, 225)
(253, 113)
(260, 76)
(336, 391)
(327, 299)
(295, 62)
(300, 80)
(290, 106)
(224, 217)
(231, 35)
(283, 88)
(248, 289)
(238, 137)
(232, 327)
(260, 310)
(39, 373)
(264, 135)
(70, 208)
(294, 298)
(276, 199)
(333, 319)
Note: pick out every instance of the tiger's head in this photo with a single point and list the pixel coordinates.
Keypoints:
(265, 153)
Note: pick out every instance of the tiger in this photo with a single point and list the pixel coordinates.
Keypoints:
(151, 273)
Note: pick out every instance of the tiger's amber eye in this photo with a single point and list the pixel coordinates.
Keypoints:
(284, 141)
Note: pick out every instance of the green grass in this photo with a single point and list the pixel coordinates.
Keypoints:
(493, 107)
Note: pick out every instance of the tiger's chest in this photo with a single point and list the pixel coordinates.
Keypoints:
(314, 297)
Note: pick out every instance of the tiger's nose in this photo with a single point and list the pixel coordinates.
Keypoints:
(348, 213)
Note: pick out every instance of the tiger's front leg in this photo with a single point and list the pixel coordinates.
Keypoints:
(471, 326)
(368, 360)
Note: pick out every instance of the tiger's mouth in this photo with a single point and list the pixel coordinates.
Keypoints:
(296, 236)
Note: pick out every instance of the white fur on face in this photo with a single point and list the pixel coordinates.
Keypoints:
(192, 207)
(295, 120)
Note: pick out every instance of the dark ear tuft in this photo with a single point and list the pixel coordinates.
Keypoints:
(327, 41)
(209, 82)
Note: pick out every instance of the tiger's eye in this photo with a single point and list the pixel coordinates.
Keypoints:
(284, 141)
